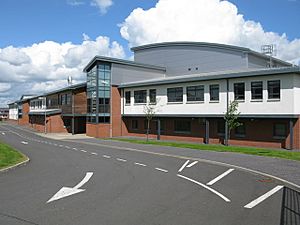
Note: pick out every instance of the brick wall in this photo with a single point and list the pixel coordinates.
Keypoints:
(98, 130)
(259, 132)
(25, 116)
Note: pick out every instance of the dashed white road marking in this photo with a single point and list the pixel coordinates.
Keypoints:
(162, 170)
(67, 147)
(220, 177)
(121, 160)
(83, 150)
(263, 197)
(24, 142)
(55, 144)
(139, 164)
(184, 165)
(107, 156)
(3, 133)
(94, 153)
(61, 146)
(74, 148)
(206, 187)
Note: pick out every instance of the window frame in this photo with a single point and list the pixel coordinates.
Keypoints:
(270, 91)
(144, 99)
(179, 98)
(210, 92)
(239, 96)
(279, 136)
(252, 90)
(151, 91)
(127, 102)
(182, 131)
(197, 89)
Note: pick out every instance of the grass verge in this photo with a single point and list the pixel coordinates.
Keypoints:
(285, 154)
(9, 156)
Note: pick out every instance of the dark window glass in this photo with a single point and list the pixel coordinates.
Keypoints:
(257, 90)
(140, 96)
(127, 97)
(214, 92)
(239, 91)
(104, 119)
(279, 130)
(182, 126)
(240, 131)
(274, 89)
(221, 127)
(68, 99)
(104, 106)
(134, 124)
(162, 125)
(195, 93)
(146, 124)
(175, 94)
(152, 95)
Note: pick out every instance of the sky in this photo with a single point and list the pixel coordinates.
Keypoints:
(44, 42)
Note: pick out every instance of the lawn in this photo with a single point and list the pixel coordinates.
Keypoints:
(9, 156)
(285, 154)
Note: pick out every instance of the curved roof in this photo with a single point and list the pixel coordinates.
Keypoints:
(192, 44)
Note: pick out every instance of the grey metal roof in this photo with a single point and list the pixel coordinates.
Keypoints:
(206, 44)
(121, 61)
(213, 76)
(71, 87)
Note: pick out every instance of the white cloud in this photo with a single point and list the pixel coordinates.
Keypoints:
(202, 20)
(45, 66)
(103, 5)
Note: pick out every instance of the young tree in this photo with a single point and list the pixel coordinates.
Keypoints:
(149, 111)
(231, 118)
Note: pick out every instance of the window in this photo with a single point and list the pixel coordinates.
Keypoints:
(195, 93)
(214, 92)
(127, 97)
(140, 96)
(162, 125)
(152, 95)
(274, 89)
(240, 131)
(182, 126)
(175, 94)
(68, 99)
(279, 130)
(239, 91)
(221, 127)
(134, 124)
(257, 90)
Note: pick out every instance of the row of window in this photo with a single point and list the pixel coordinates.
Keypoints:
(196, 93)
(185, 126)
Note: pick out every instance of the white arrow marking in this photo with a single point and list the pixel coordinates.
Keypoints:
(263, 197)
(24, 142)
(66, 191)
(186, 164)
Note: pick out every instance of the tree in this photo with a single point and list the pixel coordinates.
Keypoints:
(150, 110)
(231, 118)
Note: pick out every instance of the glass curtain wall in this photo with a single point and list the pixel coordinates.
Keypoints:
(98, 93)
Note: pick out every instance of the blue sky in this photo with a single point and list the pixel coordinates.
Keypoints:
(42, 42)
(29, 21)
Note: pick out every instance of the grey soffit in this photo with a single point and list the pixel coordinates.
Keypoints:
(206, 44)
(258, 116)
(213, 76)
(123, 62)
(42, 113)
(71, 115)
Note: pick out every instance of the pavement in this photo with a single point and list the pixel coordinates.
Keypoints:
(89, 181)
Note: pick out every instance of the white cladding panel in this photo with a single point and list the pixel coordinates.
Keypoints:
(126, 73)
(286, 104)
(13, 114)
(179, 59)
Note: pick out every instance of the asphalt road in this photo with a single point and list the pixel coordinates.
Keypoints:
(128, 187)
